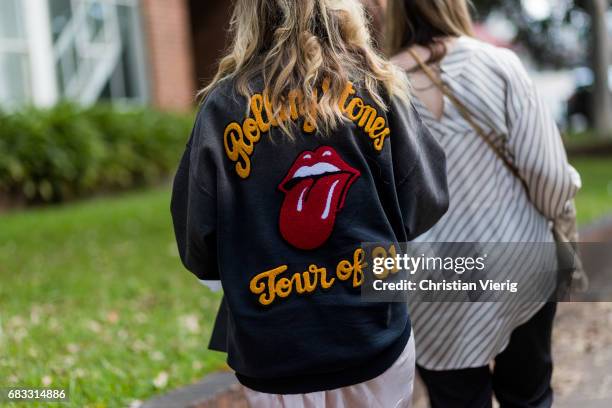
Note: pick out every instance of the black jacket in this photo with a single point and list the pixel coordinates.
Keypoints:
(276, 218)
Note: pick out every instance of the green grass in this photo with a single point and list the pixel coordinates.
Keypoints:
(93, 299)
(595, 198)
(585, 139)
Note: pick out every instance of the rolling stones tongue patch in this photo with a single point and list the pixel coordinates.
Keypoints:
(315, 189)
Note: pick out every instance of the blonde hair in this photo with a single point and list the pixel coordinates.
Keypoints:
(424, 22)
(301, 46)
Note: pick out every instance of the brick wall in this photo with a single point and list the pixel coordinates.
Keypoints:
(167, 30)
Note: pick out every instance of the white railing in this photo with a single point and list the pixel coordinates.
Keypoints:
(85, 64)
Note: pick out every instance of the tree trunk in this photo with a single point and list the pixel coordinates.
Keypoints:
(602, 100)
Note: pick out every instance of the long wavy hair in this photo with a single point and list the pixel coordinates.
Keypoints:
(304, 46)
(424, 23)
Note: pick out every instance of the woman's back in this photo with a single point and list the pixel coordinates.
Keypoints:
(281, 221)
(488, 202)
(508, 180)
(300, 153)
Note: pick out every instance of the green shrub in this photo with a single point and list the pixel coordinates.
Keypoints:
(53, 155)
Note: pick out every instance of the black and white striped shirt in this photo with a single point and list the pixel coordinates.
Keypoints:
(488, 203)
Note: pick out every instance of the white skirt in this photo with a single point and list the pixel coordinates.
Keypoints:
(391, 389)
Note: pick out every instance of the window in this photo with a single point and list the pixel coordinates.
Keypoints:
(60, 13)
(14, 62)
(83, 50)
(98, 50)
(127, 81)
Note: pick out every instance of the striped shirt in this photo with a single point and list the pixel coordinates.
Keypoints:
(488, 203)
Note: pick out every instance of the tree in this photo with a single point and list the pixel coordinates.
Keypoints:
(543, 38)
(602, 100)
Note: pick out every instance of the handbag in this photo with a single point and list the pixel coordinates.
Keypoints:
(564, 227)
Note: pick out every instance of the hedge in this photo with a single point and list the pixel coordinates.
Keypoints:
(57, 154)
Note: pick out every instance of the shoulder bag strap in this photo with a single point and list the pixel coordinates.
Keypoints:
(466, 114)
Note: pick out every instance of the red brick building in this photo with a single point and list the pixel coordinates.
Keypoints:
(185, 39)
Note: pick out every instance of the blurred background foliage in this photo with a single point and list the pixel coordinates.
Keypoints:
(67, 152)
(564, 34)
(544, 30)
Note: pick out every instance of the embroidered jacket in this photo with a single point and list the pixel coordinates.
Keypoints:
(280, 222)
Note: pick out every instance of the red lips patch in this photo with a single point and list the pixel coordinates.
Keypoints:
(315, 189)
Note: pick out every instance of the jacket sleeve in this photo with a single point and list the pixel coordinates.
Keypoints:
(420, 171)
(193, 208)
(535, 145)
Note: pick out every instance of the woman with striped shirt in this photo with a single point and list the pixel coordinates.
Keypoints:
(457, 342)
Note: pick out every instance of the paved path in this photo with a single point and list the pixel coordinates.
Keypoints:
(583, 355)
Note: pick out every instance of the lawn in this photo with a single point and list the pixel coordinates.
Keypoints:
(595, 198)
(93, 298)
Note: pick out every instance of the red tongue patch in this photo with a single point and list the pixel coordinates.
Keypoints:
(308, 213)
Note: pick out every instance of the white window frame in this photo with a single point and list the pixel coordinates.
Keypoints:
(40, 52)
(20, 47)
(43, 54)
